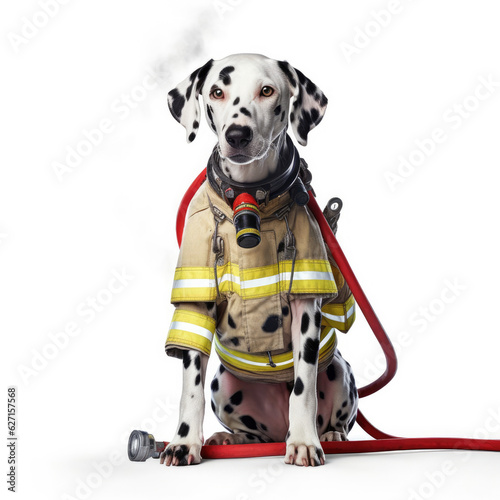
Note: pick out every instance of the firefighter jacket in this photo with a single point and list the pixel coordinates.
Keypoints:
(251, 288)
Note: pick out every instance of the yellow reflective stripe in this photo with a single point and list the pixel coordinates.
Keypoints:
(260, 363)
(198, 283)
(193, 284)
(309, 276)
(340, 316)
(191, 329)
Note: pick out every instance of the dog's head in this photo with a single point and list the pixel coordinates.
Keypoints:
(247, 104)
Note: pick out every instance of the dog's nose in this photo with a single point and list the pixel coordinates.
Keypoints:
(238, 136)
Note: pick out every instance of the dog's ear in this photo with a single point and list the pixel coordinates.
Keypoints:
(183, 100)
(308, 105)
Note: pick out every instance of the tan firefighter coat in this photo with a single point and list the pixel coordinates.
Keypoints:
(252, 288)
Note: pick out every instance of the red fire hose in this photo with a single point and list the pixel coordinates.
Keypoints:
(383, 441)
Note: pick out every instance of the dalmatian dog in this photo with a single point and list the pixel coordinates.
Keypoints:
(247, 101)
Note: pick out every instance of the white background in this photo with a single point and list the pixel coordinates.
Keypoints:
(61, 238)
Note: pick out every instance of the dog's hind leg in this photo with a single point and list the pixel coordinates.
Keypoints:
(252, 412)
(337, 400)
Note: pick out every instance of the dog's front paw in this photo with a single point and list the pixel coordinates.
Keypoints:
(181, 453)
(304, 452)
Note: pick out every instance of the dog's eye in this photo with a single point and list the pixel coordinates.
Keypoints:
(217, 94)
(267, 91)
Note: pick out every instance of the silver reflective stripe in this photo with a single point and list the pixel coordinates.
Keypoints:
(247, 361)
(340, 319)
(189, 327)
(328, 336)
(194, 283)
(220, 348)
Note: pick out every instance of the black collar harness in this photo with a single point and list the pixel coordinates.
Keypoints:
(292, 175)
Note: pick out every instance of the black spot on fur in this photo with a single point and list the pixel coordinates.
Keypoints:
(344, 404)
(235, 341)
(196, 124)
(228, 409)
(236, 398)
(210, 117)
(245, 112)
(310, 86)
(314, 115)
(263, 427)
(282, 116)
(222, 369)
(235, 115)
(277, 110)
(224, 75)
(177, 104)
(236, 101)
(298, 388)
(320, 420)
(192, 137)
(271, 324)
(292, 117)
(285, 67)
(212, 404)
(197, 362)
(250, 436)
(305, 124)
(317, 319)
(186, 359)
(304, 326)
(197, 380)
(183, 430)
(321, 395)
(287, 435)
(202, 74)
(285, 310)
(311, 351)
(249, 422)
(339, 412)
(230, 321)
(215, 385)
(350, 425)
(343, 417)
(330, 372)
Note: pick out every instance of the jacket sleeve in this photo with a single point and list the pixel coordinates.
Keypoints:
(192, 327)
(339, 312)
